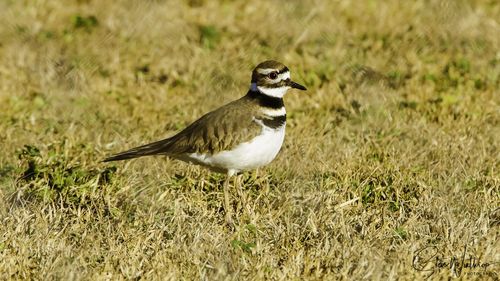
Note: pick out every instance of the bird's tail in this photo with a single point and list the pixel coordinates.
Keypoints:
(158, 147)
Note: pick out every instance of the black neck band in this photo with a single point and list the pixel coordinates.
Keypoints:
(275, 121)
(265, 100)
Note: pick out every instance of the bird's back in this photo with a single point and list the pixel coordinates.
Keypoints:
(218, 130)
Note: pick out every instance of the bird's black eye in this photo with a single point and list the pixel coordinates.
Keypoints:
(273, 75)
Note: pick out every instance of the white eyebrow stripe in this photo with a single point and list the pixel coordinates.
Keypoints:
(274, 112)
(265, 71)
(284, 75)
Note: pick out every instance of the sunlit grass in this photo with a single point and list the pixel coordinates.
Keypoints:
(393, 148)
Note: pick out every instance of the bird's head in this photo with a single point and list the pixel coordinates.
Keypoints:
(272, 78)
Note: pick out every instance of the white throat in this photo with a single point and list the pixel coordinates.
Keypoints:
(272, 92)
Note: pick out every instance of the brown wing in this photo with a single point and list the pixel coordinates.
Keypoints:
(219, 130)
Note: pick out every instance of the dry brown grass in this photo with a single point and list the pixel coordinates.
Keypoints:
(394, 148)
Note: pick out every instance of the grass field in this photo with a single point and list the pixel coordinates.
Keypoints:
(390, 167)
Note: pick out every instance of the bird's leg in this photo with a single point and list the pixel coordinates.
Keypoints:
(241, 194)
(227, 205)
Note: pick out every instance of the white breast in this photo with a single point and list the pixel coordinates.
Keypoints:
(248, 155)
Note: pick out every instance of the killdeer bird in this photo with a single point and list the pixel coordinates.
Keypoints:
(242, 135)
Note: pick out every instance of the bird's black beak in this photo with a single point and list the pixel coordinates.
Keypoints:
(296, 85)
